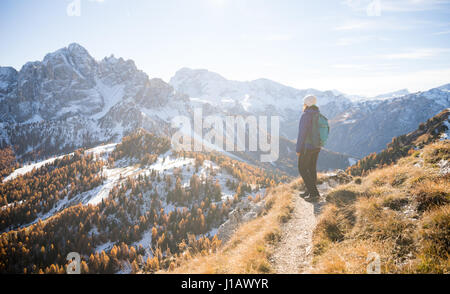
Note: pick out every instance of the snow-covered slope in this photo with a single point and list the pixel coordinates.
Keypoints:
(253, 96)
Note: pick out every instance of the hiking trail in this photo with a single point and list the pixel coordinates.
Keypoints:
(293, 254)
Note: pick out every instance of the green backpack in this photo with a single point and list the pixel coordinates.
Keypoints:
(319, 132)
(324, 129)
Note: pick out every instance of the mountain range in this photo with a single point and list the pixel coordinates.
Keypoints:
(138, 205)
(70, 100)
(358, 128)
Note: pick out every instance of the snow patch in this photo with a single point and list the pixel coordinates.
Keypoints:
(444, 166)
(113, 177)
(104, 247)
(111, 96)
(34, 119)
(446, 135)
(11, 204)
(97, 151)
(166, 163)
(30, 167)
(146, 242)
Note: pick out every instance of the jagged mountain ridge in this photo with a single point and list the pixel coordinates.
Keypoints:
(258, 97)
(70, 100)
(369, 126)
(358, 128)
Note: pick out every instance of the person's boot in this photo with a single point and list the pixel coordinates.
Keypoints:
(313, 197)
(304, 194)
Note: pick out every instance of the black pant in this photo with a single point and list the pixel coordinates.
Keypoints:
(307, 162)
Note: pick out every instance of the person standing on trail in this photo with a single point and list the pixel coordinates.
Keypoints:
(312, 134)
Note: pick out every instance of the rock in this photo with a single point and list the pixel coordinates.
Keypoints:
(340, 177)
(444, 166)
(259, 207)
(249, 216)
(245, 211)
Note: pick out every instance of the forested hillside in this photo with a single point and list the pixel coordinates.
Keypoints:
(126, 208)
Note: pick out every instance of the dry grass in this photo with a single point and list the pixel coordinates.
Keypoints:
(435, 236)
(347, 257)
(343, 195)
(431, 193)
(331, 227)
(249, 249)
(439, 151)
(401, 212)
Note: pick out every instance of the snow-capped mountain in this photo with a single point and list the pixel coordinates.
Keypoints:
(259, 97)
(394, 94)
(254, 96)
(70, 100)
(368, 126)
(358, 127)
(383, 96)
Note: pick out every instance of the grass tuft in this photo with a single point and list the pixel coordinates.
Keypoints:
(431, 193)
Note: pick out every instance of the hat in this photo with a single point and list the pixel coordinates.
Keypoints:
(310, 100)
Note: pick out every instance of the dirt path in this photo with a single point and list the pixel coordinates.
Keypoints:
(293, 253)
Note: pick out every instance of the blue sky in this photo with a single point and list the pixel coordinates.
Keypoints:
(319, 44)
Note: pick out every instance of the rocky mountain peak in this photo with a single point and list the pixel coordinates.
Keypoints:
(8, 76)
(70, 100)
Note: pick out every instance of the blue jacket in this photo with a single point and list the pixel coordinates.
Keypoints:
(305, 137)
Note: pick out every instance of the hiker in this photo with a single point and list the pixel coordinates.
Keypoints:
(312, 134)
